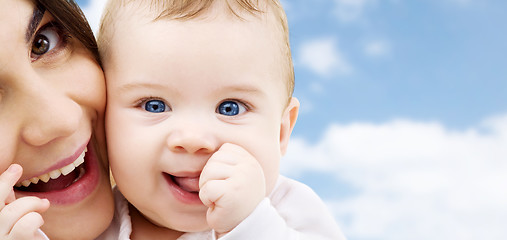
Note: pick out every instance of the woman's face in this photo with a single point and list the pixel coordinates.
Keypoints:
(52, 99)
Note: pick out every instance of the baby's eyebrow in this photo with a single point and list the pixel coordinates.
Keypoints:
(244, 89)
(138, 85)
(37, 15)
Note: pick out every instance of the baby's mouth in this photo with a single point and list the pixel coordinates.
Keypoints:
(56, 179)
(188, 184)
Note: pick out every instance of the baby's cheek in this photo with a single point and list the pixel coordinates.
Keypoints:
(271, 169)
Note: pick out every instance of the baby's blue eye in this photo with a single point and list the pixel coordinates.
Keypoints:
(230, 108)
(154, 106)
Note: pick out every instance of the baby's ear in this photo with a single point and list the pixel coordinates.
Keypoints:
(289, 118)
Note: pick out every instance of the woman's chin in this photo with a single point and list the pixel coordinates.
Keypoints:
(94, 214)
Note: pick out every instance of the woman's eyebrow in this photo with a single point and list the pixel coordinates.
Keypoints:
(37, 15)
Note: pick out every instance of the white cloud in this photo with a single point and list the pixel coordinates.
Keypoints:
(93, 12)
(323, 57)
(317, 88)
(306, 108)
(377, 48)
(413, 180)
(351, 10)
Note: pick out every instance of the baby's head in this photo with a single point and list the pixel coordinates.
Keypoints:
(271, 12)
(184, 78)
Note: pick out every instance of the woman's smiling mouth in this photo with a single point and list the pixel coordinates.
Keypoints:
(56, 179)
(69, 181)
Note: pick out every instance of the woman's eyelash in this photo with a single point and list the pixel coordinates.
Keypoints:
(56, 25)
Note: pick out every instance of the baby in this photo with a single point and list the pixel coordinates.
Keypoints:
(199, 114)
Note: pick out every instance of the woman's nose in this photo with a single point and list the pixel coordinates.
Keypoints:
(195, 137)
(49, 115)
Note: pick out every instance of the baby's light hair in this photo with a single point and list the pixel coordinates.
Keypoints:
(190, 9)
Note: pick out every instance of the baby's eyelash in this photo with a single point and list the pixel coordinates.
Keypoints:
(245, 104)
(139, 103)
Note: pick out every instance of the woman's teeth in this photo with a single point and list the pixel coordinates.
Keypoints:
(55, 173)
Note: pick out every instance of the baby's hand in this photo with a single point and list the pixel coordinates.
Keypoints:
(231, 185)
(19, 218)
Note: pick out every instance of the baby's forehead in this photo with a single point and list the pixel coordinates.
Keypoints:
(144, 13)
(184, 10)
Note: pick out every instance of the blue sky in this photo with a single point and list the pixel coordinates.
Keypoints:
(403, 124)
(433, 60)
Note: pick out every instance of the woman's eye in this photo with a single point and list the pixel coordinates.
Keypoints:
(230, 108)
(45, 41)
(155, 106)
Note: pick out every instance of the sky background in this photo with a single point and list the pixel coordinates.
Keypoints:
(403, 122)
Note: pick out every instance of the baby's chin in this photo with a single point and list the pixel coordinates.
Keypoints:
(184, 222)
(191, 226)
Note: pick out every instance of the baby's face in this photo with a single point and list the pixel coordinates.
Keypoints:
(179, 90)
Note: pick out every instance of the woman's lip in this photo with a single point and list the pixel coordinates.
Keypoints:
(78, 190)
(62, 163)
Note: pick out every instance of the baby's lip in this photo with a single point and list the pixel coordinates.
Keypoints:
(189, 184)
(189, 174)
(187, 180)
(184, 186)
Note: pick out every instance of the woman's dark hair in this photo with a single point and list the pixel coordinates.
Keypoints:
(70, 16)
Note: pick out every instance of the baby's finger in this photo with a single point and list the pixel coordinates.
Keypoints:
(12, 213)
(230, 153)
(7, 181)
(211, 192)
(214, 170)
(231, 147)
(41, 235)
(11, 197)
(28, 227)
(221, 215)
